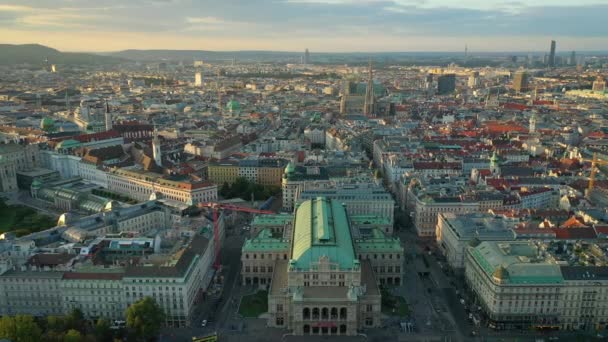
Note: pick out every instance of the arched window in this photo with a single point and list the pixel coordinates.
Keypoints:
(343, 313)
(306, 314)
(334, 313)
(324, 313)
(306, 329)
(342, 328)
(315, 313)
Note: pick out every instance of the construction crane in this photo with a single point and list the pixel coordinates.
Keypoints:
(216, 207)
(594, 163)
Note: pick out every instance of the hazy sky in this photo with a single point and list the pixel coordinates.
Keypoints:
(320, 25)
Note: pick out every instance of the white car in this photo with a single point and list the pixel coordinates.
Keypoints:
(204, 323)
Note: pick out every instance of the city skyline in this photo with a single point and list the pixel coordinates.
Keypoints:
(291, 25)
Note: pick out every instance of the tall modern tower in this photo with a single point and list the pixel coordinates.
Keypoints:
(368, 106)
(573, 58)
(306, 57)
(552, 55)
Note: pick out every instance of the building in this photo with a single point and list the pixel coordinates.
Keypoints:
(55, 284)
(198, 79)
(359, 199)
(139, 185)
(446, 84)
(15, 158)
(539, 285)
(296, 179)
(551, 61)
(306, 57)
(320, 284)
(455, 232)
(520, 81)
(599, 85)
(265, 171)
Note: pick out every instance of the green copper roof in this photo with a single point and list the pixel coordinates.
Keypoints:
(379, 242)
(290, 168)
(322, 230)
(264, 242)
(69, 143)
(233, 105)
(272, 220)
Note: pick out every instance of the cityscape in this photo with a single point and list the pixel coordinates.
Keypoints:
(198, 194)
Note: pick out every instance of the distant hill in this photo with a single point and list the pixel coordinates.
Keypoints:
(191, 55)
(35, 54)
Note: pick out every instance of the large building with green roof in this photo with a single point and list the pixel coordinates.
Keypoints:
(539, 285)
(323, 276)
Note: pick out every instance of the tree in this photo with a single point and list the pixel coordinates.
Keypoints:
(75, 320)
(19, 328)
(72, 336)
(102, 330)
(145, 317)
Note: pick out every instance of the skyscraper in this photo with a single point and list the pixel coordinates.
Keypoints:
(306, 57)
(520, 81)
(573, 58)
(368, 106)
(446, 84)
(552, 55)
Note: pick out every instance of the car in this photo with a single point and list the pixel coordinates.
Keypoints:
(204, 323)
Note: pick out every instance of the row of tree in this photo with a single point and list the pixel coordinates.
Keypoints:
(144, 319)
(243, 188)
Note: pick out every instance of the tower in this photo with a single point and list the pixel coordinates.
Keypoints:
(466, 53)
(368, 106)
(494, 167)
(198, 79)
(520, 81)
(108, 117)
(306, 57)
(573, 58)
(156, 153)
(532, 128)
(552, 54)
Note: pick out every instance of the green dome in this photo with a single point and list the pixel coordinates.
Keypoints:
(36, 184)
(47, 124)
(233, 106)
(290, 168)
(69, 143)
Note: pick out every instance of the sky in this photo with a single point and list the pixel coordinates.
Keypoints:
(319, 25)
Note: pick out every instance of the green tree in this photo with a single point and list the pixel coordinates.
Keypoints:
(72, 336)
(55, 323)
(145, 317)
(19, 328)
(102, 330)
(75, 320)
(225, 190)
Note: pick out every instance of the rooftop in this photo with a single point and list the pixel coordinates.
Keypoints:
(322, 230)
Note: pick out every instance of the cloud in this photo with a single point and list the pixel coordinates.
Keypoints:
(205, 20)
(348, 24)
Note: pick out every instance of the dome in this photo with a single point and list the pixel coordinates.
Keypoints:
(47, 124)
(233, 106)
(36, 184)
(290, 168)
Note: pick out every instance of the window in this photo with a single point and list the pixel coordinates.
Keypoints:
(279, 321)
(279, 307)
(368, 308)
(369, 321)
